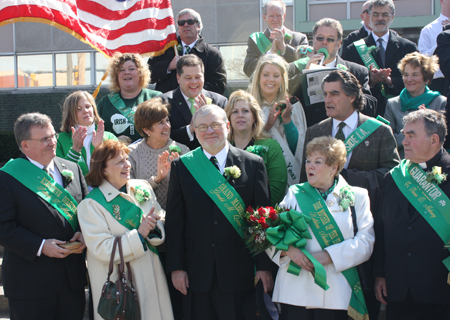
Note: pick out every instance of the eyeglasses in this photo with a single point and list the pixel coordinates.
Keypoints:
(384, 15)
(322, 39)
(190, 22)
(214, 126)
(47, 140)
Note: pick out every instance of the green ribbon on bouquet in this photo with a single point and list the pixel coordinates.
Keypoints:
(293, 230)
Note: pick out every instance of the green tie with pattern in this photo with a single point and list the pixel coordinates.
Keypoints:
(187, 49)
(340, 134)
(192, 101)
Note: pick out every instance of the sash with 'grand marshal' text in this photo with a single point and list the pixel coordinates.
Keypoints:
(362, 132)
(39, 182)
(216, 187)
(427, 198)
(327, 233)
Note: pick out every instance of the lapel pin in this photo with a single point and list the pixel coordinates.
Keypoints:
(366, 143)
(63, 165)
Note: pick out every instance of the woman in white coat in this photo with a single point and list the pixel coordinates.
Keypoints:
(299, 296)
(105, 214)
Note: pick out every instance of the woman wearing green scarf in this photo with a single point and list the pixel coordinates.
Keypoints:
(418, 71)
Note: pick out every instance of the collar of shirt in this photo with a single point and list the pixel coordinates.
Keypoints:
(221, 157)
(351, 123)
(51, 167)
(332, 64)
(442, 18)
(385, 39)
(189, 45)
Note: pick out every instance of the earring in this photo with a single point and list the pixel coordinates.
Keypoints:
(106, 173)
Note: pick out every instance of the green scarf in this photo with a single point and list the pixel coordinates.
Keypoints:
(410, 103)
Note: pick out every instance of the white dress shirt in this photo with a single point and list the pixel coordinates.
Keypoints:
(221, 157)
(385, 38)
(351, 123)
(428, 37)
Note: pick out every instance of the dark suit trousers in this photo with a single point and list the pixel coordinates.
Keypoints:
(413, 310)
(66, 305)
(290, 312)
(217, 305)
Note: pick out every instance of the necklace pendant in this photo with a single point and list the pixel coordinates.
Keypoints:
(116, 210)
(330, 203)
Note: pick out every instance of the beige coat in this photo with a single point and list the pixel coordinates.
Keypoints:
(99, 228)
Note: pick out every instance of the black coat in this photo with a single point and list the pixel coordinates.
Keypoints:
(316, 112)
(200, 239)
(396, 49)
(352, 37)
(180, 114)
(215, 73)
(253, 52)
(25, 220)
(408, 252)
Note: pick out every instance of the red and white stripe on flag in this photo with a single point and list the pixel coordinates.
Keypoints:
(146, 27)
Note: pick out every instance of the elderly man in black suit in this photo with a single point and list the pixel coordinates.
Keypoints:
(206, 256)
(275, 39)
(411, 258)
(163, 67)
(327, 34)
(371, 146)
(362, 32)
(385, 80)
(187, 98)
(39, 193)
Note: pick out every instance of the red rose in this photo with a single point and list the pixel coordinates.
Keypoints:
(253, 219)
(264, 225)
(262, 220)
(250, 210)
(273, 215)
(261, 212)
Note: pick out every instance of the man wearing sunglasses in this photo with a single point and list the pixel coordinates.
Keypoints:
(327, 34)
(163, 67)
(385, 78)
(276, 39)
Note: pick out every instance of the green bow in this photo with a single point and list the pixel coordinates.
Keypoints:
(293, 230)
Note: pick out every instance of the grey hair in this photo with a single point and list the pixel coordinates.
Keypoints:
(328, 22)
(23, 125)
(194, 14)
(274, 3)
(207, 109)
(382, 3)
(434, 122)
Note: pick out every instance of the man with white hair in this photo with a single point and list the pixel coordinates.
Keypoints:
(163, 67)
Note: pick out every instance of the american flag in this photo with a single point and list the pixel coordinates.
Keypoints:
(146, 27)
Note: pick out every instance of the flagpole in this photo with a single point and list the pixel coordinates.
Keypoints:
(176, 50)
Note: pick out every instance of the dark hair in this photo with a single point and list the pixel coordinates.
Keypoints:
(350, 85)
(434, 122)
(148, 113)
(106, 151)
(23, 125)
(328, 22)
(189, 60)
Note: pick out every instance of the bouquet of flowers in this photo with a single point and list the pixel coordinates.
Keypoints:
(259, 220)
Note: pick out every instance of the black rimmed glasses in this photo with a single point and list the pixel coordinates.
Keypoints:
(190, 22)
(322, 39)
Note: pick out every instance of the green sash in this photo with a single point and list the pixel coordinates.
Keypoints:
(426, 197)
(262, 42)
(119, 104)
(368, 60)
(362, 132)
(39, 182)
(216, 187)
(327, 233)
(125, 212)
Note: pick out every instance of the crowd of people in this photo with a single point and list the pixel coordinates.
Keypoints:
(342, 142)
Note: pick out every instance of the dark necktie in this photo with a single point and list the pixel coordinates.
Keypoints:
(187, 49)
(215, 162)
(381, 52)
(48, 172)
(340, 134)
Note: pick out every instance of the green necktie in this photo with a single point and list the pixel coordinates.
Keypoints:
(192, 101)
(187, 49)
(340, 134)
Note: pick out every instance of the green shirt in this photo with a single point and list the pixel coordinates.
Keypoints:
(115, 122)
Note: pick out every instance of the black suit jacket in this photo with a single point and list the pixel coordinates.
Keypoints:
(396, 49)
(443, 53)
(352, 37)
(25, 220)
(316, 112)
(408, 252)
(253, 52)
(370, 160)
(180, 114)
(200, 240)
(215, 73)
